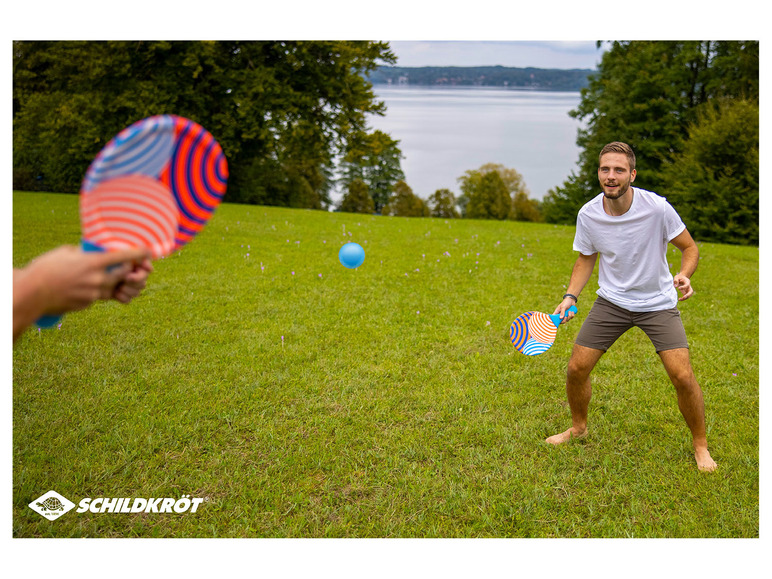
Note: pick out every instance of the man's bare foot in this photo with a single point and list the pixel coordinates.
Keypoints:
(704, 461)
(566, 436)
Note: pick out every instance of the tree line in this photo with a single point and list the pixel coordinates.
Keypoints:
(690, 110)
(498, 76)
(491, 192)
(291, 116)
(292, 120)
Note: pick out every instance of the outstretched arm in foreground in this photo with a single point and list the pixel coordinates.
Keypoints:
(67, 279)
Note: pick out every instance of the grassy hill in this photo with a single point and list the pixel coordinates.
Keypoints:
(302, 399)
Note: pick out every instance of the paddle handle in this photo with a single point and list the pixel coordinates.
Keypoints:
(572, 309)
(556, 319)
(48, 322)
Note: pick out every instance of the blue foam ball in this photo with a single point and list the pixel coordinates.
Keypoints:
(351, 255)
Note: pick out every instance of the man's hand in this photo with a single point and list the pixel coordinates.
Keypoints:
(70, 279)
(134, 282)
(562, 310)
(684, 285)
(690, 258)
(67, 279)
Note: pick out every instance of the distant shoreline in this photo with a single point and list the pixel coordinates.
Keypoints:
(559, 80)
(407, 87)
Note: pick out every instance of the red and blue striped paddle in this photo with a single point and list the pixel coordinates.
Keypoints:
(179, 155)
(154, 185)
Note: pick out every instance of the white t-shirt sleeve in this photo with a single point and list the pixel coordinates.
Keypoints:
(673, 224)
(582, 242)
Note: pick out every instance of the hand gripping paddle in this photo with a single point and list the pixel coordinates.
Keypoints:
(154, 185)
(533, 333)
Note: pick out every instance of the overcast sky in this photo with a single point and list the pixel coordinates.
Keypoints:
(521, 54)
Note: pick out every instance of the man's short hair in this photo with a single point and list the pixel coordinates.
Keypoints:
(618, 147)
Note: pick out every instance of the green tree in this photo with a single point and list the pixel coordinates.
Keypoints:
(357, 199)
(524, 208)
(714, 182)
(283, 111)
(487, 201)
(405, 203)
(511, 177)
(487, 194)
(647, 94)
(442, 203)
(375, 159)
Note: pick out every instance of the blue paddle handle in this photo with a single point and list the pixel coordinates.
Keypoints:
(556, 319)
(48, 322)
(86, 245)
(571, 309)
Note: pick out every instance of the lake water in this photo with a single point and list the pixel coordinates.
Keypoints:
(444, 132)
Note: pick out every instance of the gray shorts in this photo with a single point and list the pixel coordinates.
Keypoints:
(607, 321)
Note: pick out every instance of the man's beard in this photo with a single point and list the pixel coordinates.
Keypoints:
(620, 190)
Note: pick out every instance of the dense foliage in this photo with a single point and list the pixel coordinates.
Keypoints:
(442, 203)
(672, 102)
(404, 203)
(714, 181)
(356, 198)
(496, 192)
(373, 158)
(488, 196)
(284, 112)
(501, 76)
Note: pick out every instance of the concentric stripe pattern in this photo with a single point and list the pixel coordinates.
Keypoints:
(197, 176)
(542, 328)
(143, 148)
(533, 333)
(534, 347)
(130, 211)
(518, 331)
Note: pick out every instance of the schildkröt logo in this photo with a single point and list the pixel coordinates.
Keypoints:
(139, 505)
(51, 505)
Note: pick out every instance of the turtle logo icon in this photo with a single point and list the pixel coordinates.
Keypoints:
(51, 505)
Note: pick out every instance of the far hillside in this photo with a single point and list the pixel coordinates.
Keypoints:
(499, 76)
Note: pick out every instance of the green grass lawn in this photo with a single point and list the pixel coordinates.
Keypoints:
(303, 399)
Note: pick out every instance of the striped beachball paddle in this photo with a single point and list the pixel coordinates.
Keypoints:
(533, 333)
(180, 155)
(154, 185)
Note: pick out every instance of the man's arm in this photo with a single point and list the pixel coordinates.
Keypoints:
(67, 279)
(580, 275)
(690, 258)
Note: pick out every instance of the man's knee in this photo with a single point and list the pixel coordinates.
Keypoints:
(582, 362)
(577, 370)
(679, 367)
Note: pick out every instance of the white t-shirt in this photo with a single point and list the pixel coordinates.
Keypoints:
(634, 273)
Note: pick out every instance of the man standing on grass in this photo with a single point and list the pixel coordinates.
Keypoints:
(630, 228)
